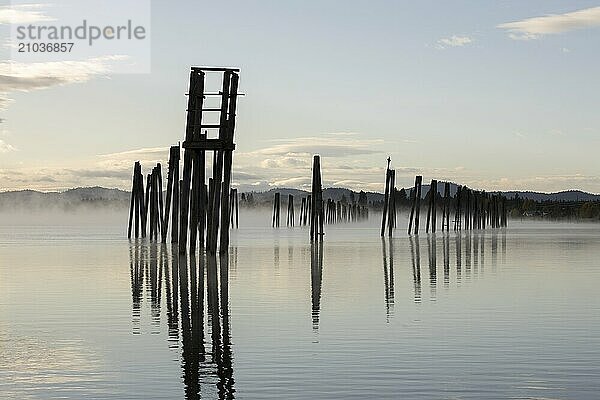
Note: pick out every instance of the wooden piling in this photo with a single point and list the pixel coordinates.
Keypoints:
(392, 205)
(176, 199)
(290, 211)
(317, 212)
(415, 208)
(228, 136)
(446, 212)
(386, 199)
(133, 202)
(276, 208)
(434, 205)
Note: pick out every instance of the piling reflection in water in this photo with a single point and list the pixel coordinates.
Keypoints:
(137, 282)
(458, 241)
(416, 266)
(316, 280)
(207, 367)
(432, 253)
(494, 251)
(388, 276)
(468, 246)
(468, 254)
(446, 248)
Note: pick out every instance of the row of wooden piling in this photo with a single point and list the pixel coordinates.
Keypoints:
(477, 209)
(147, 207)
(148, 204)
(335, 212)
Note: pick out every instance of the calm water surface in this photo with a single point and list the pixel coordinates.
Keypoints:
(508, 314)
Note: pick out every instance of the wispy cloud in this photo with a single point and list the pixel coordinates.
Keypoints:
(23, 14)
(26, 77)
(536, 27)
(5, 147)
(328, 145)
(453, 41)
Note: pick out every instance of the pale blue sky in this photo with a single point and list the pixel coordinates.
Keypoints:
(438, 85)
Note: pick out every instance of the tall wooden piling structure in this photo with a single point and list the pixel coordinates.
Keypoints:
(197, 142)
(316, 209)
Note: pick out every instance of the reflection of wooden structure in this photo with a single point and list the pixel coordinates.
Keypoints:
(187, 283)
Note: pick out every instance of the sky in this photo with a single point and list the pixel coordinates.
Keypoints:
(497, 95)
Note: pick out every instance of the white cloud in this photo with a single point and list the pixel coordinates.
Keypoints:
(26, 77)
(23, 14)
(453, 41)
(328, 145)
(5, 147)
(536, 27)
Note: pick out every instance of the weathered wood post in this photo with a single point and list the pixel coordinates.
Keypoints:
(317, 212)
(416, 202)
(458, 209)
(428, 198)
(276, 208)
(176, 198)
(446, 208)
(133, 202)
(160, 195)
(434, 206)
(234, 208)
(196, 90)
(392, 205)
(173, 164)
(290, 211)
(151, 202)
(228, 159)
(386, 197)
(467, 207)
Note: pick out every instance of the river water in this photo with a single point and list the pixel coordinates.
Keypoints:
(495, 314)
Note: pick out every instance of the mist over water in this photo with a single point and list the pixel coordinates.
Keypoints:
(85, 313)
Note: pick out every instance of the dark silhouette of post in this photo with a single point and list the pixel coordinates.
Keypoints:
(386, 199)
(317, 212)
(446, 208)
(276, 209)
(290, 211)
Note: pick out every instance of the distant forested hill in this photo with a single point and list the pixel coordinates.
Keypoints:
(104, 197)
